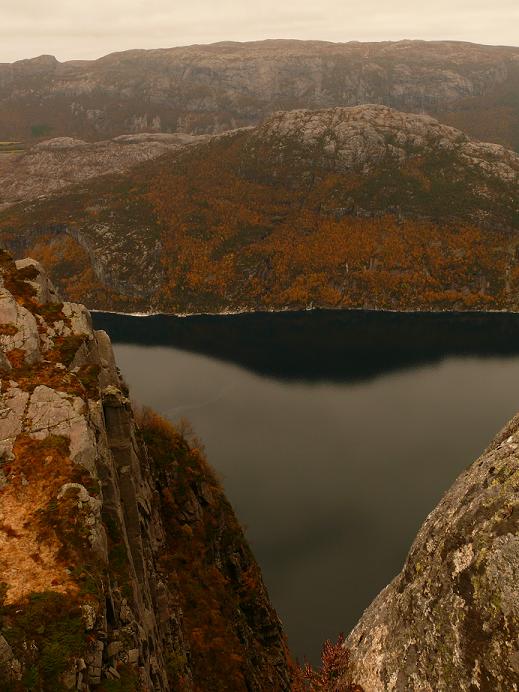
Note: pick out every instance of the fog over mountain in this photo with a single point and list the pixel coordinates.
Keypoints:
(88, 30)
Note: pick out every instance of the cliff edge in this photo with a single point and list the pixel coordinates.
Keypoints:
(450, 619)
(122, 565)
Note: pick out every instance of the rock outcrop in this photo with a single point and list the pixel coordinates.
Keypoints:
(209, 89)
(450, 620)
(58, 163)
(361, 138)
(122, 566)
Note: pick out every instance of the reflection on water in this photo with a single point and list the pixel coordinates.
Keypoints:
(335, 434)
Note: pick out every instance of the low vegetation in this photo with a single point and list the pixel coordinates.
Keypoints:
(227, 616)
(231, 225)
(331, 675)
(48, 628)
(11, 147)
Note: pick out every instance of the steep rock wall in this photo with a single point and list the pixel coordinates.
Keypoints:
(94, 585)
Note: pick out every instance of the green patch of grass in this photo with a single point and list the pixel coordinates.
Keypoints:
(68, 346)
(88, 375)
(40, 130)
(176, 664)
(55, 626)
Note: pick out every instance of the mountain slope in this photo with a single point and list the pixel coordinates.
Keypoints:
(359, 207)
(208, 89)
(122, 565)
(62, 162)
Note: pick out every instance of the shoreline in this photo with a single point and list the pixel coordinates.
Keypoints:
(247, 311)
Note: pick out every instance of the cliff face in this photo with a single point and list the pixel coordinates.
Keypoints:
(209, 89)
(361, 207)
(450, 620)
(122, 566)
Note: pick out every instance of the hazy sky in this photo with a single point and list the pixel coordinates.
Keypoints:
(91, 28)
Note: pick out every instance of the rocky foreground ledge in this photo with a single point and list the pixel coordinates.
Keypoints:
(450, 620)
(122, 566)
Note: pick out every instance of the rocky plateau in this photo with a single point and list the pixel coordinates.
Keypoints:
(58, 163)
(213, 88)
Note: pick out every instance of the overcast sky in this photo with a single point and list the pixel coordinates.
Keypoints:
(90, 28)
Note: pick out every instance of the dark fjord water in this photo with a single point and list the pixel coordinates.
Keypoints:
(335, 434)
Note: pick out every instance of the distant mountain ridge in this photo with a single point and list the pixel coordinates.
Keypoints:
(362, 207)
(213, 88)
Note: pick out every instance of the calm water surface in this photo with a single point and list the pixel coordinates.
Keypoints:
(335, 434)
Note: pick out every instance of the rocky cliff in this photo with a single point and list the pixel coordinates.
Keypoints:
(450, 620)
(362, 207)
(209, 89)
(122, 566)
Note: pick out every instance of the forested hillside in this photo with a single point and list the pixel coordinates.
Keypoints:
(342, 208)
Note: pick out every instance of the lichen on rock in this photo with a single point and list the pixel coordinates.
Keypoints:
(450, 619)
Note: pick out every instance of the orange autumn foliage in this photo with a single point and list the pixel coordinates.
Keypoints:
(235, 230)
(227, 618)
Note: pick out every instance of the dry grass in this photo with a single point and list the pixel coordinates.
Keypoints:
(30, 562)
